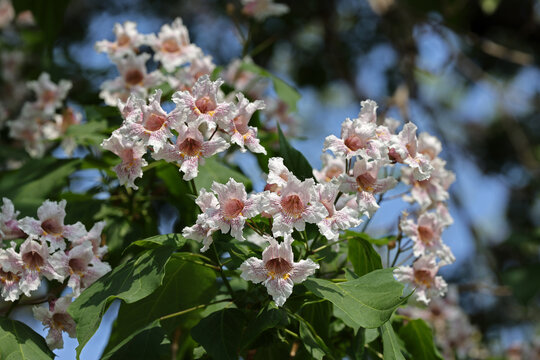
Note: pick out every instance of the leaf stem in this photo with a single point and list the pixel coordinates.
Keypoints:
(179, 313)
(223, 277)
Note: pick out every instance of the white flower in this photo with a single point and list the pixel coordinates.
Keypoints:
(261, 9)
(49, 95)
(332, 167)
(11, 272)
(278, 175)
(336, 220)
(127, 40)
(9, 226)
(422, 276)
(294, 206)
(204, 228)
(57, 320)
(35, 262)
(403, 149)
(172, 46)
(277, 270)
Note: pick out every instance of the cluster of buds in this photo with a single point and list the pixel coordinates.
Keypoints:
(68, 254)
(201, 125)
(338, 198)
(46, 118)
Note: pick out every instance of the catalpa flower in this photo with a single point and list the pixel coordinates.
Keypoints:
(422, 276)
(50, 225)
(150, 123)
(332, 168)
(9, 226)
(34, 257)
(187, 76)
(57, 320)
(358, 136)
(127, 40)
(234, 207)
(80, 265)
(237, 125)
(172, 46)
(426, 235)
(261, 9)
(403, 149)
(190, 150)
(204, 228)
(133, 79)
(277, 270)
(365, 183)
(294, 206)
(429, 145)
(244, 80)
(131, 153)
(49, 96)
(94, 237)
(278, 175)
(342, 219)
(431, 191)
(203, 104)
(11, 272)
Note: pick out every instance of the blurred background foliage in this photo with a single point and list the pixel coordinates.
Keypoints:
(466, 70)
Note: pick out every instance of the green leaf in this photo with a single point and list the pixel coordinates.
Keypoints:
(371, 335)
(363, 257)
(220, 333)
(293, 159)
(130, 282)
(91, 133)
(391, 345)
(285, 91)
(173, 240)
(268, 318)
(142, 344)
(36, 181)
(379, 242)
(318, 315)
(214, 170)
(184, 286)
(367, 302)
(19, 341)
(418, 339)
(523, 281)
(314, 345)
(357, 346)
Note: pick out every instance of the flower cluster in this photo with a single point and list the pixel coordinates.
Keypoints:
(346, 192)
(201, 125)
(261, 9)
(181, 61)
(68, 254)
(46, 118)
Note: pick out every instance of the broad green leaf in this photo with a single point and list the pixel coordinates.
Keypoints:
(268, 318)
(184, 286)
(371, 335)
(91, 133)
(285, 91)
(130, 282)
(36, 181)
(19, 342)
(312, 342)
(318, 315)
(173, 240)
(144, 343)
(215, 170)
(356, 351)
(220, 333)
(418, 339)
(391, 345)
(379, 242)
(293, 159)
(363, 257)
(367, 302)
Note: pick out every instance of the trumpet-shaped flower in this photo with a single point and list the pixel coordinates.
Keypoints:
(365, 183)
(9, 226)
(237, 125)
(426, 235)
(35, 261)
(277, 270)
(294, 206)
(202, 104)
(204, 228)
(11, 272)
(50, 225)
(332, 168)
(190, 149)
(131, 153)
(403, 149)
(422, 276)
(127, 40)
(57, 320)
(342, 219)
(172, 46)
(49, 96)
